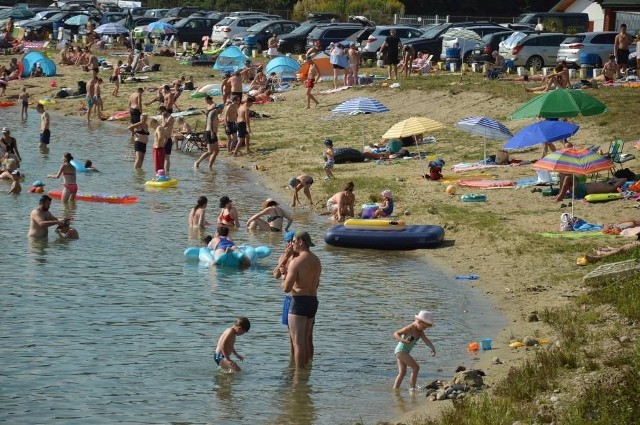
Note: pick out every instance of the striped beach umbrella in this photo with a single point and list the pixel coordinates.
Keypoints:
(541, 132)
(412, 126)
(487, 128)
(360, 105)
(580, 161)
(111, 28)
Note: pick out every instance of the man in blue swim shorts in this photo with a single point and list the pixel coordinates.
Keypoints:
(301, 279)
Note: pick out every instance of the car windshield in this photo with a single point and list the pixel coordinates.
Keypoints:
(525, 18)
(258, 27)
(302, 29)
(513, 39)
(435, 31)
(573, 39)
(226, 21)
(58, 16)
(182, 22)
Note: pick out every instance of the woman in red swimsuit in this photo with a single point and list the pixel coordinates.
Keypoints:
(68, 173)
(228, 216)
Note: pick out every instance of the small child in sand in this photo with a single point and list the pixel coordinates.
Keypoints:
(329, 157)
(407, 338)
(226, 345)
(386, 208)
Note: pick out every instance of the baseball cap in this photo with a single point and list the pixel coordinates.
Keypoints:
(304, 236)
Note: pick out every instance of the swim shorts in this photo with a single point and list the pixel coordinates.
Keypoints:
(242, 130)
(580, 190)
(217, 357)
(230, 128)
(45, 136)
(168, 146)
(329, 164)
(309, 84)
(304, 305)
(210, 138)
(286, 303)
(236, 93)
(89, 101)
(140, 147)
(336, 66)
(623, 56)
(134, 114)
(330, 206)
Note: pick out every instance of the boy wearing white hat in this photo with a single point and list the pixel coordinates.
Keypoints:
(407, 338)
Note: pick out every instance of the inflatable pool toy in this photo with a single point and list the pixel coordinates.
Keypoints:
(516, 344)
(474, 197)
(197, 95)
(6, 103)
(486, 184)
(161, 183)
(79, 166)
(375, 224)
(119, 116)
(574, 235)
(187, 112)
(98, 197)
(450, 190)
(231, 258)
(603, 197)
(410, 237)
(47, 101)
(344, 155)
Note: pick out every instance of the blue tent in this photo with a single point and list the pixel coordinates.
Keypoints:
(231, 59)
(30, 59)
(283, 66)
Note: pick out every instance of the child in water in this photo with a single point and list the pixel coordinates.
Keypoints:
(329, 158)
(407, 338)
(226, 345)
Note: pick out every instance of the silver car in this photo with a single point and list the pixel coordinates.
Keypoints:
(231, 26)
(599, 43)
(372, 44)
(532, 50)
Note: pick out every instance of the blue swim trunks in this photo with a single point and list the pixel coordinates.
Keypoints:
(217, 357)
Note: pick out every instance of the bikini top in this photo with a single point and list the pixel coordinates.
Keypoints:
(141, 130)
(271, 218)
(225, 218)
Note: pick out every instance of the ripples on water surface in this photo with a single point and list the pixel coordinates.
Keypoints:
(117, 327)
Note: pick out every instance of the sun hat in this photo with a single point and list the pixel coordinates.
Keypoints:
(386, 193)
(5, 129)
(304, 236)
(425, 316)
(37, 183)
(269, 200)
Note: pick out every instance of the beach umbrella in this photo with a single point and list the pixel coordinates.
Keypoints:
(17, 13)
(485, 127)
(560, 103)
(111, 29)
(574, 161)
(77, 20)
(541, 132)
(160, 27)
(412, 126)
(358, 106)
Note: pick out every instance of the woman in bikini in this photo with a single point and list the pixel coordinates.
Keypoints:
(197, 213)
(68, 173)
(140, 139)
(228, 216)
(275, 218)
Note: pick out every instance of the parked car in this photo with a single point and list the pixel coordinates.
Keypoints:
(599, 43)
(375, 39)
(230, 26)
(263, 31)
(139, 30)
(193, 28)
(331, 33)
(553, 21)
(483, 51)
(182, 11)
(431, 40)
(295, 41)
(138, 12)
(532, 50)
(40, 16)
(110, 17)
(49, 26)
(251, 13)
(155, 13)
(322, 17)
(466, 39)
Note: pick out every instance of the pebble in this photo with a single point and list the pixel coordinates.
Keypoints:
(461, 396)
(496, 360)
(624, 339)
(441, 395)
(554, 399)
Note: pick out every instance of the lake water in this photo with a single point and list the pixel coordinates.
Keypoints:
(118, 327)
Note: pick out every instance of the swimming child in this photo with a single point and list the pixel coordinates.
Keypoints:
(386, 208)
(66, 231)
(16, 188)
(407, 338)
(226, 345)
(89, 166)
(161, 176)
(329, 158)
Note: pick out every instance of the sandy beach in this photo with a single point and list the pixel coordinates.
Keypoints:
(498, 240)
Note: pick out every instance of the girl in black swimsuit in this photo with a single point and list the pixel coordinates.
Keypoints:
(275, 218)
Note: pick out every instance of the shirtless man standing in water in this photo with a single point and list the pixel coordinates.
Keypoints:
(230, 125)
(135, 105)
(41, 219)
(244, 126)
(301, 279)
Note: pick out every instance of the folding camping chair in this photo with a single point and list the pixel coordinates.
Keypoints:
(193, 141)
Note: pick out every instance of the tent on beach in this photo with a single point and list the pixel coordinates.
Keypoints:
(30, 59)
(283, 66)
(231, 59)
(323, 62)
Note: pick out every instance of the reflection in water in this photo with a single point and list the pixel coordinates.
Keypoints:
(296, 402)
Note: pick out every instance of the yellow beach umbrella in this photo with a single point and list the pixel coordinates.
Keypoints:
(411, 127)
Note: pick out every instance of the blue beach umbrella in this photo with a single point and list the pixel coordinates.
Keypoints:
(487, 128)
(541, 132)
(77, 20)
(160, 27)
(111, 28)
(360, 105)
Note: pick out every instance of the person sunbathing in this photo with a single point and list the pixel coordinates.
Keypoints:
(558, 79)
(582, 189)
(610, 71)
(421, 64)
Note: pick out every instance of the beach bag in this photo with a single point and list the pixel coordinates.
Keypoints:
(566, 222)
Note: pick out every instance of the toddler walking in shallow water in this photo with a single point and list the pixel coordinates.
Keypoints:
(407, 338)
(226, 345)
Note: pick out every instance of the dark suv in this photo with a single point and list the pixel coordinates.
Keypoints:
(295, 41)
(263, 31)
(182, 12)
(193, 28)
(331, 33)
